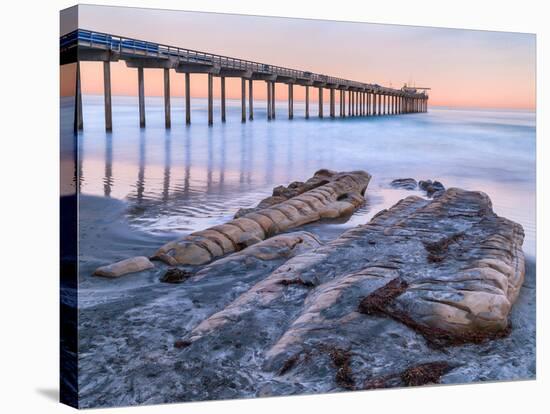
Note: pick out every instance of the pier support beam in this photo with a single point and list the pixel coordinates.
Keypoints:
(222, 97)
(307, 102)
(290, 101)
(141, 97)
(187, 98)
(250, 100)
(379, 104)
(243, 100)
(349, 103)
(268, 83)
(368, 103)
(273, 100)
(344, 103)
(320, 101)
(167, 121)
(107, 96)
(332, 106)
(78, 122)
(373, 104)
(210, 99)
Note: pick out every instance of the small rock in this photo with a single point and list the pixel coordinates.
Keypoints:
(175, 275)
(424, 184)
(432, 188)
(181, 344)
(405, 183)
(132, 265)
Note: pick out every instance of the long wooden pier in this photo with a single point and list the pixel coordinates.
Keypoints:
(363, 99)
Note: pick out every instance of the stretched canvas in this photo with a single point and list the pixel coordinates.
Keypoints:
(258, 206)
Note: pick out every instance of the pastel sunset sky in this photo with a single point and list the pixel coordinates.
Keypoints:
(464, 68)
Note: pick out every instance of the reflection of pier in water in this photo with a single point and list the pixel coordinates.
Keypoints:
(257, 166)
(363, 99)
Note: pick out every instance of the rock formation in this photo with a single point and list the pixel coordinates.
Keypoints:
(131, 265)
(449, 269)
(432, 188)
(267, 253)
(327, 195)
(405, 183)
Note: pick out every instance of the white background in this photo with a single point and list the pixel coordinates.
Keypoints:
(29, 205)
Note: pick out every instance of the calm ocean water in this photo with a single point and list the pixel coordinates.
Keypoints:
(187, 178)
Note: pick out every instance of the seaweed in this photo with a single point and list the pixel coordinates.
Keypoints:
(437, 251)
(417, 375)
(378, 303)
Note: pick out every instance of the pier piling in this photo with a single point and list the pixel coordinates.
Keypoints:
(141, 97)
(167, 121)
(250, 100)
(320, 101)
(107, 95)
(290, 101)
(273, 112)
(78, 120)
(187, 98)
(307, 102)
(210, 99)
(243, 100)
(268, 100)
(222, 97)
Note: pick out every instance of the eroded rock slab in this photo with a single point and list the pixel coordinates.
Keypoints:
(282, 193)
(264, 254)
(448, 269)
(131, 265)
(332, 195)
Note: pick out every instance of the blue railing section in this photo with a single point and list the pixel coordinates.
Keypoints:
(132, 47)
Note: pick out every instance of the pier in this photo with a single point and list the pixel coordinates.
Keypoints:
(363, 99)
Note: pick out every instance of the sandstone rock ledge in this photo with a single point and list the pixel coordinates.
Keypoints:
(327, 195)
(449, 269)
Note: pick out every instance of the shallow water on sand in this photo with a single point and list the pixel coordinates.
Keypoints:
(187, 178)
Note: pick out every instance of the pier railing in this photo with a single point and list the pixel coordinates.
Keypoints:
(141, 48)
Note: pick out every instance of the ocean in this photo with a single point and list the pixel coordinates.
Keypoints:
(187, 178)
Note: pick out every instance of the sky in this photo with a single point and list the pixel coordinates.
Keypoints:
(463, 68)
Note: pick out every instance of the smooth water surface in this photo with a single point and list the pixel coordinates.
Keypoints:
(190, 177)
